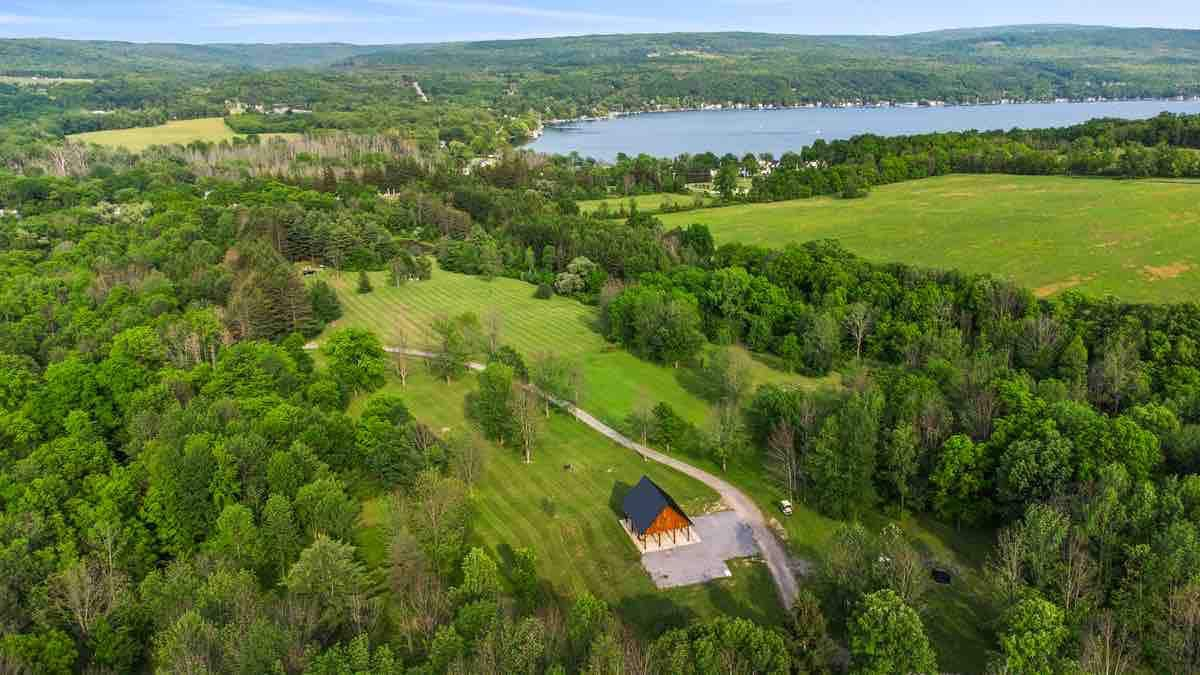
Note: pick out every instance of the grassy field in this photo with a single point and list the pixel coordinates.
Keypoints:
(209, 129)
(1138, 240)
(568, 517)
(651, 203)
(615, 380)
(43, 81)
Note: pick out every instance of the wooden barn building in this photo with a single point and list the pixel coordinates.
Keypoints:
(651, 512)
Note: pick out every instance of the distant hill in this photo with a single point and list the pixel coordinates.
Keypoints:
(594, 74)
(50, 56)
(1133, 44)
(621, 72)
(42, 56)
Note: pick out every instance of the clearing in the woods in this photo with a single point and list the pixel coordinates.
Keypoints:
(182, 132)
(565, 506)
(515, 498)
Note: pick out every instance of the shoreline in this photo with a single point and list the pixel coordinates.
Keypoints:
(566, 125)
(831, 105)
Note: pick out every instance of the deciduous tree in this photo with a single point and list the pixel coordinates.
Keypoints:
(886, 636)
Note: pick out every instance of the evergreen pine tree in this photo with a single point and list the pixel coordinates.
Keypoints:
(364, 282)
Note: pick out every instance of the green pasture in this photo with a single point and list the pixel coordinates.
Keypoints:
(651, 203)
(182, 132)
(1138, 240)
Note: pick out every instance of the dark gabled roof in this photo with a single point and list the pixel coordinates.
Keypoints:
(644, 502)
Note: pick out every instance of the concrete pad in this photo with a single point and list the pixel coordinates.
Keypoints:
(724, 536)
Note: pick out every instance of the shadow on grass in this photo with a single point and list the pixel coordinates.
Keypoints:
(652, 614)
(698, 383)
(617, 496)
(770, 361)
(592, 321)
(730, 605)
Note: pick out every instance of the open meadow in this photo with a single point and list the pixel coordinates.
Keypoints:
(514, 508)
(137, 139)
(1138, 240)
(651, 203)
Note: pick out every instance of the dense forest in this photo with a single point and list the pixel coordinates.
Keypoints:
(181, 474)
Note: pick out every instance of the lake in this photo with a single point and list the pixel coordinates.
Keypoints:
(777, 131)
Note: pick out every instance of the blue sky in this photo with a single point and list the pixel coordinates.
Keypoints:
(395, 21)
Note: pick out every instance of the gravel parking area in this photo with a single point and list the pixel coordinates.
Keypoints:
(724, 536)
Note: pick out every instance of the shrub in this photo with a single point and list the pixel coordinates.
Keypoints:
(364, 282)
(544, 292)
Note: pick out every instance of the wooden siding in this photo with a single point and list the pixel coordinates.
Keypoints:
(668, 519)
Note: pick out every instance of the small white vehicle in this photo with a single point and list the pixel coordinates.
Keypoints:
(786, 507)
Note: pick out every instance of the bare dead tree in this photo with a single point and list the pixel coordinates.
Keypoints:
(641, 418)
(1040, 336)
(84, 591)
(494, 328)
(468, 457)
(782, 462)
(902, 566)
(1005, 299)
(858, 321)
(637, 657)
(1115, 373)
(1183, 629)
(526, 411)
(728, 432)
(1005, 569)
(1078, 573)
(576, 381)
(105, 537)
(417, 588)
(1107, 648)
(402, 359)
(934, 420)
(68, 159)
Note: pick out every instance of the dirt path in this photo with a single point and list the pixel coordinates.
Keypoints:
(772, 549)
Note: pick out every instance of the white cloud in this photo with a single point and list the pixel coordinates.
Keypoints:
(509, 10)
(233, 16)
(18, 20)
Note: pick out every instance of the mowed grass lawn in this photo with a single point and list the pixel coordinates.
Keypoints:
(1138, 240)
(208, 129)
(615, 380)
(651, 203)
(569, 517)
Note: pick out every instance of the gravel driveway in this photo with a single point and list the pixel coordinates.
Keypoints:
(723, 535)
